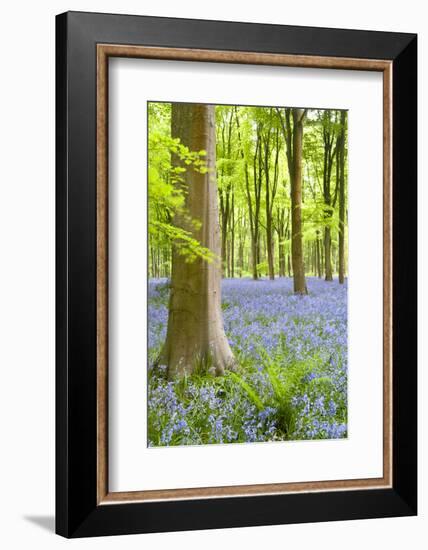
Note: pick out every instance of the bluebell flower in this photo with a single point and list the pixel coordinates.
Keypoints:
(264, 322)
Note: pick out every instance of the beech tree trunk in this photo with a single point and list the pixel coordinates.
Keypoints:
(293, 135)
(270, 193)
(296, 205)
(232, 238)
(240, 258)
(329, 154)
(195, 333)
(281, 244)
(269, 248)
(341, 164)
(319, 263)
(253, 209)
(327, 251)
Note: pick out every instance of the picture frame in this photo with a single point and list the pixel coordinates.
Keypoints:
(84, 44)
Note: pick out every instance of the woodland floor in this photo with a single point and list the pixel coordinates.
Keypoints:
(291, 379)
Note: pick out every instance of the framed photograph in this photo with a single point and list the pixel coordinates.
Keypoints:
(236, 274)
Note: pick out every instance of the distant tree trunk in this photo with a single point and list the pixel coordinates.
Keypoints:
(281, 258)
(269, 248)
(293, 135)
(327, 252)
(223, 252)
(258, 257)
(232, 238)
(341, 163)
(319, 271)
(195, 330)
(254, 259)
(296, 205)
(225, 211)
(241, 231)
(280, 229)
(253, 206)
(314, 258)
(322, 256)
(224, 194)
(270, 193)
(329, 154)
(240, 258)
(288, 233)
(152, 262)
(335, 257)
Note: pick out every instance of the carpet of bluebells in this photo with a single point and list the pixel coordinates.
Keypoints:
(290, 382)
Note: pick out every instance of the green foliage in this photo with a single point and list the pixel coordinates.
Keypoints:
(252, 394)
(166, 190)
(285, 378)
(247, 147)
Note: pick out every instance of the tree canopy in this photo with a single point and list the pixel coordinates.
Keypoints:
(255, 166)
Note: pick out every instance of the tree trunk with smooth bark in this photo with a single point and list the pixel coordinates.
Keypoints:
(195, 333)
(329, 154)
(296, 205)
(341, 163)
(293, 135)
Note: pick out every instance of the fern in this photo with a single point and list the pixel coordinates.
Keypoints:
(248, 390)
(285, 381)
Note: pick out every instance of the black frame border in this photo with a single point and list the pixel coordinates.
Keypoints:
(77, 512)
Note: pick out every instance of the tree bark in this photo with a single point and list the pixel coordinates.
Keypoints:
(195, 333)
(296, 205)
(341, 163)
(294, 141)
(253, 209)
(329, 154)
(270, 193)
(240, 258)
(280, 229)
(327, 252)
(225, 207)
(232, 238)
(224, 214)
(319, 270)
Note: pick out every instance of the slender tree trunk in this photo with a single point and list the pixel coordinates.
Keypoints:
(329, 154)
(270, 192)
(294, 141)
(281, 259)
(232, 238)
(253, 209)
(341, 163)
(319, 271)
(226, 269)
(223, 253)
(327, 252)
(254, 259)
(280, 230)
(269, 247)
(224, 215)
(296, 205)
(313, 258)
(240, 258)
(322, 256)
(281, 252)
(288, 233)
(195, 332)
